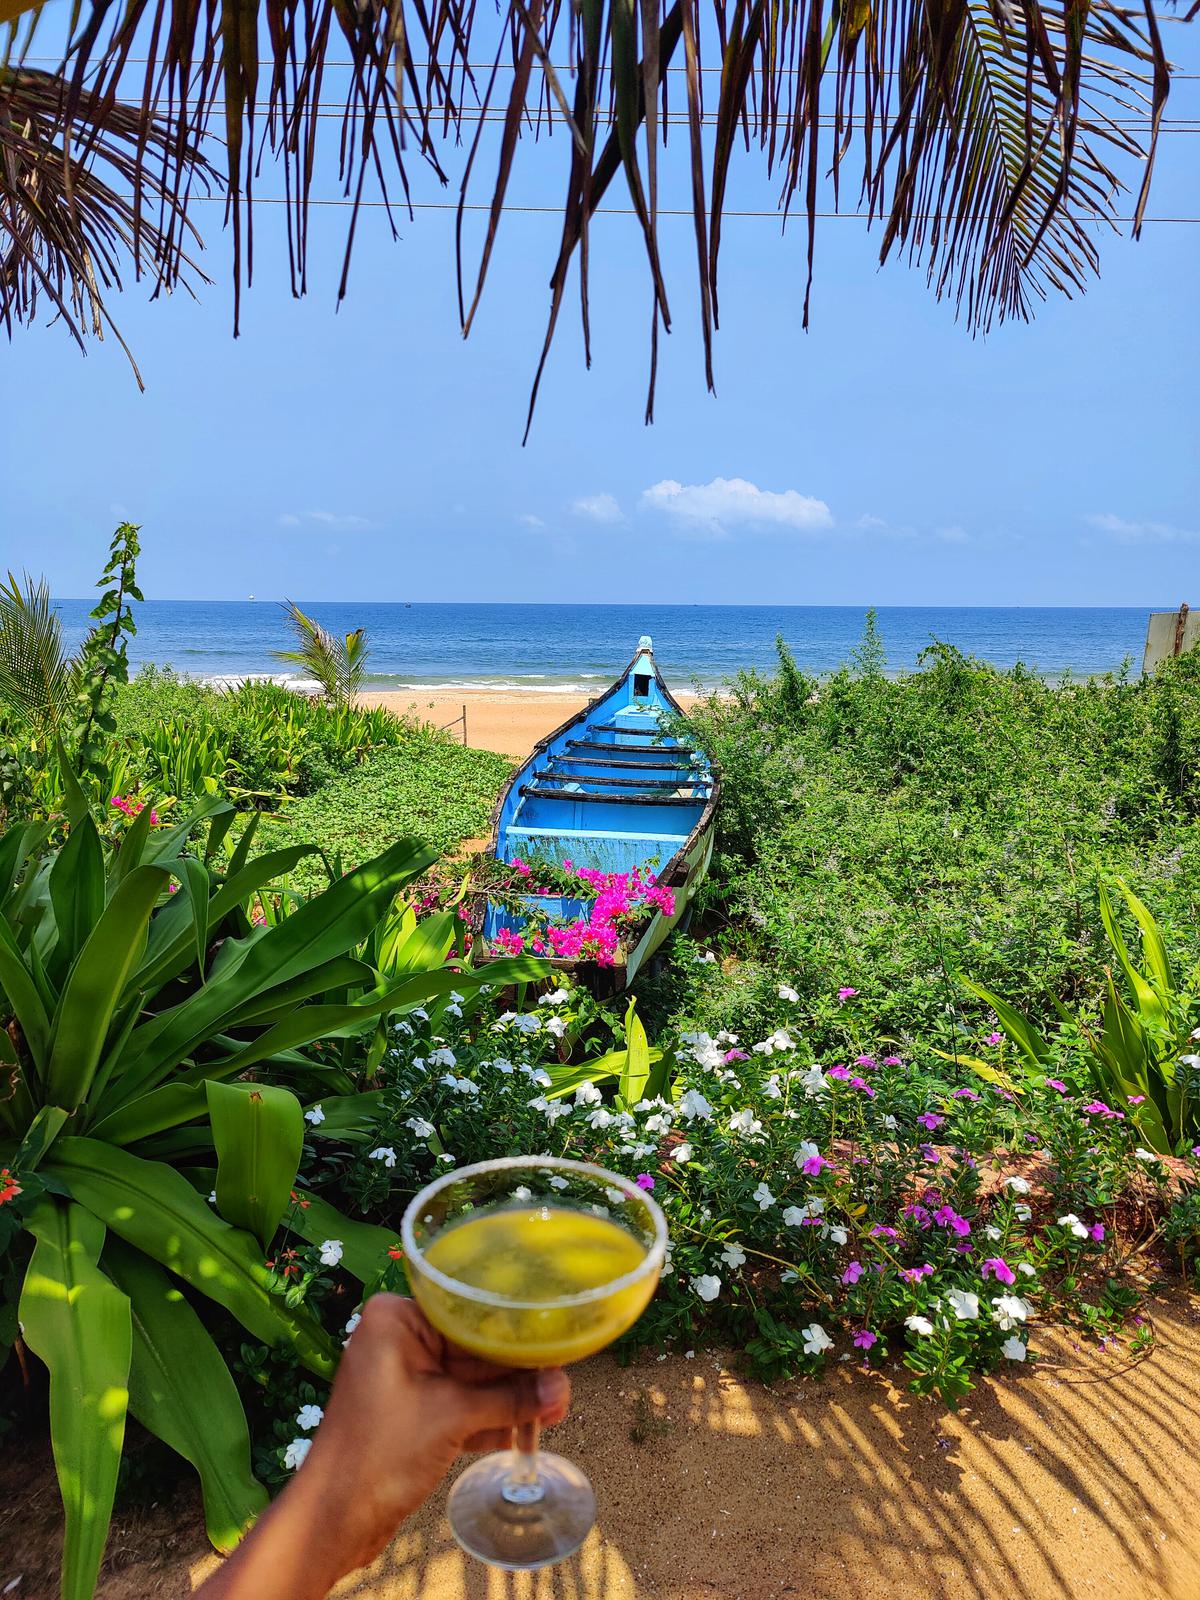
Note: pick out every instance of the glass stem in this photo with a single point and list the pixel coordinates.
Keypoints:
(522, 1487)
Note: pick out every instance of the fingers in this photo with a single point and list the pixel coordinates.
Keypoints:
(496, 1408)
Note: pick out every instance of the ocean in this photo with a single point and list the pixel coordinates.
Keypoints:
(579, 648)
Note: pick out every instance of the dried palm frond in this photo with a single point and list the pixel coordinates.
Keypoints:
(64, 230)
(987, 136)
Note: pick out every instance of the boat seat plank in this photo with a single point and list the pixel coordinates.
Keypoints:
(539, 792)
(669, 754)
(558, 775)
(637, 766)
(617, 835)
(654, 728)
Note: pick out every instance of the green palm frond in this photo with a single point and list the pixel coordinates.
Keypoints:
(338, 665)
(986, 138)
(35, 673)
(65, 231)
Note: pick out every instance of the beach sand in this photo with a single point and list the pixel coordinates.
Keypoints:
(1074, 1478)
(511, 723)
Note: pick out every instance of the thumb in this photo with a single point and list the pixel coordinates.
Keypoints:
(506, 1402)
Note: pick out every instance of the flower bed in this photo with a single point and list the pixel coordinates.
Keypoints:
(596, 912)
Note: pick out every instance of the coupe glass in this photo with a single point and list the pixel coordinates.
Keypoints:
(564, 1257)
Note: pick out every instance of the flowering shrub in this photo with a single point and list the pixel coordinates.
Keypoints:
(620, 901)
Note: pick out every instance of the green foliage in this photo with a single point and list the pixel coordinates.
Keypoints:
(338, 665)
(136, 989)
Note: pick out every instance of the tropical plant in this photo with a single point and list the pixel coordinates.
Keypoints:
(1141, 1052)
(338, 665)
(137, 993)
(986, 134)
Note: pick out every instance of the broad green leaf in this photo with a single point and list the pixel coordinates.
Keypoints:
(1034, 1050)
(43, 1130)
(77, 890)
(258, 1134)
(983, 1069)
(25, 1002)
(180, 1388)
(636, 1072)
(344, 1113)
(96, 984)
(157, 1210)
(1154, 946)
(168, 1106)
(565, 1079)
(364, 1246)
(1150, 1004)
(195, 885)
(78, 1322)
(426, 946)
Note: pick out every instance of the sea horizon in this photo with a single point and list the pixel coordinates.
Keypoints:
(576, 648)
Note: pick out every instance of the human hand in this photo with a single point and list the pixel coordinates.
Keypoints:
(405, 1405)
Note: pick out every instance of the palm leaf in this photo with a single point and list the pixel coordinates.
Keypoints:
(338, 665)
(987, 136)
(35, 672)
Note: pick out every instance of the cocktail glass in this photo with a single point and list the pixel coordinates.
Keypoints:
(530, 1262)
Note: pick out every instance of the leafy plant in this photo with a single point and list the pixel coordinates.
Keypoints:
(137, 993)
(338, 665)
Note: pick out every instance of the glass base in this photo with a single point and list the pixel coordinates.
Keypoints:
(521, 1526)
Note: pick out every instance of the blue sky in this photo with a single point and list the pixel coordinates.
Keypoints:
(884, 457)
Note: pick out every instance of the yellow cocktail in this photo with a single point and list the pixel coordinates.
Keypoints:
(530, 1262)
(535, 1258)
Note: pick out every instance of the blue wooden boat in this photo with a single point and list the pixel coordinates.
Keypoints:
(611, 789)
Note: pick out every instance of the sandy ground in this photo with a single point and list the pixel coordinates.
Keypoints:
(509, 723)
(1077, 1478)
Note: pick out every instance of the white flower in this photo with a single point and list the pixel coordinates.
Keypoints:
(746, 1122)
(706, 1052)
(964, 1304)
(1072, 1221)
(992, 1231)
(331, 1252)
(551, 1109)
(557, 1026)
(448, 1158)
(771, 1088)
(1021, 1212)
(453, 1011)
(693, 1105)
(527, 1024)
(1017, 1185)
(786, 992)
(779, 1040)
(538, 1075)
(503, 1066)
(295, 1453)
(443, 1058)
(309, 1417)
(386, 1154)
(805, 1151)
(456, 999)
(402, 1027)
(420, 1013)
(587, 1094)
(522, 1192)
(890, 1123)
(733, 1255)
(682, 1152)
(706, 955)
(557, 1181)
(422, 1129)
(659, 1123)
(836, 1232)
(353, 1321)
(1026, 1270)
(1190, 1061)
(794, 1216)
(1013, 1349)
(212, 1198)
(789, 1276)
(707, 1286)
(764, 1197)
(921, 1325)
(1145, 1155)
(1010, 1310)
(816, 1340)
(315, 1115)
(558, 998)
(601, 1117)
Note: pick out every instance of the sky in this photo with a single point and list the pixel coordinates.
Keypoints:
(883, 457)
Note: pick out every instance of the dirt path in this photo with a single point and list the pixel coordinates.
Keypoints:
(1074, 1479)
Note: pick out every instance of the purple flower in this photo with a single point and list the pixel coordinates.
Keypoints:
(735, 1055)
(838, 1072)
(1135, 1099)
(915, 1274)
(930, 1155)
(812, 1166)
(947, 1217)
(1057, 1083)
(1097, 1108)
(996, 1267)
(864, 1061)
(892, 1061)
(995, 1037)
(880, 1231)
(853, 1273)
(964, 1094)
(864, 1339)
(1097, 1231)
(861, 1083)
(847, 994)
(930, 1121)
(644, 1180)
(917, 1214)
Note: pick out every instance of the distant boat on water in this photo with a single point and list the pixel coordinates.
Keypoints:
(611, 792)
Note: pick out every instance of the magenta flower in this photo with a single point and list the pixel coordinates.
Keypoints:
(996, 1267)
(864, 1061)
(735, 1055)
(644, 1180)
(838, 1072)
(1135, 1099)
(1057, 1083)
(964, 1094)
(995, 1037)
(915, 1274)
(881, 1231)
(930, 1155)
(1097, 1231)
(853, 1273)
(917, 1214)
(864, 1339)
(812, 1166)
(930, 1121)
(892, 1061)
(847, 994)
(947, 1217)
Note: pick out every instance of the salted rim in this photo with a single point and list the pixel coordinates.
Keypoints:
(653, 1259)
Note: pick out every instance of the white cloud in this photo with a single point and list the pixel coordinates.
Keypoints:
(1126, 532)
(528, 520)
(598, 507)
(953, 535)
(333, 521)
(867, 521)
(713, 509)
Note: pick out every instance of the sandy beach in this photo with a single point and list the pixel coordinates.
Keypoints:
(511, 723)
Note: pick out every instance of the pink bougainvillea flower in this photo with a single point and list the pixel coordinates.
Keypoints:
(996, 1267)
